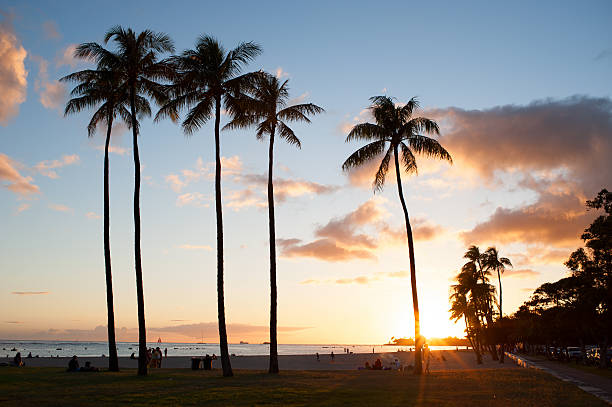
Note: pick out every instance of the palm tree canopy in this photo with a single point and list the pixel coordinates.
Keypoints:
(265, 105)
(494, 262)
(204, 75)
(396, 128)
(101, 89)
(135, 63)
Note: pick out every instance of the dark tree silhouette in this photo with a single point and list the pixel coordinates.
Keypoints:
(136, 63)
(396, 128)
(208, 78)
(266, 108)
(100, 89)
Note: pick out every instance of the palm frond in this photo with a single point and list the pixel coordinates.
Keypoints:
(288, 135)
(428, 147)
(379, 179)
(364, 154)
(367, 131)
(408, 160)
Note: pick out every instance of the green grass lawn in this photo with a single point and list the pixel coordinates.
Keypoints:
(504, 387)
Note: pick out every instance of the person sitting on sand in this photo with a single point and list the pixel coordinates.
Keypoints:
(17, 361)
(133, 355)
(73, 365)
(29, 355)
(378, 365)
(367, 366)
(88, 368)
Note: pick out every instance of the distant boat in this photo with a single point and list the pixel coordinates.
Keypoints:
(159, 340)
(244, 343)
(266, 343)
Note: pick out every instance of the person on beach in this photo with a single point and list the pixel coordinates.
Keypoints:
(332, 356)
(73, 364)
(378, 364)
(318, 360)
(88, 368)
(17, 361)
(166, 352)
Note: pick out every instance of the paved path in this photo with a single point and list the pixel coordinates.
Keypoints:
(591, 383)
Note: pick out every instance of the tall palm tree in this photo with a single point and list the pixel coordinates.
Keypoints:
(396, 128)
(136, 63)
(207, 79)
(99, 89)
(498, 264)
(267, 109)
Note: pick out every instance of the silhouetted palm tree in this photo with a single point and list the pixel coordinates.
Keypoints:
(207, 78)
(100, 90)
(136, 63)
(267, 109)
(498, 264)
(396, 128)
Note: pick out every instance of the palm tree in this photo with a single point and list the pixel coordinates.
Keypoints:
(99, 89)
(207, 78)
(267, 108)
(498, 264)
(136, 63)
(396, 127)
(486, 292)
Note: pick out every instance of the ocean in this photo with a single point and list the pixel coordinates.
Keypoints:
(93, 349)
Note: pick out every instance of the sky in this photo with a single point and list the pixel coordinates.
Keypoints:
(521, 91)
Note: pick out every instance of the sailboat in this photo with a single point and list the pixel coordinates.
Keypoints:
(159, 340)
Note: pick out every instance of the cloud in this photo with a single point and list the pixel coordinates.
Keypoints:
(92, 215)
(30, 292)
(13, 75)
(23, 207)
(559, 150)
(356, 235)
(195, 247)
(255, 193)
(48, 167)
(364, 280)
(285, 188)
(521, 273)
(60, 208)
(230, 166)
(66, 57)
(11, 179)
(52, 93)
(280, 73)
(299, 99)
(115, 149)
(364, 115)
(51, 30)
(193, 199)
(322, 249)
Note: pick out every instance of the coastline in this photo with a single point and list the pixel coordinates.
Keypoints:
(454, 360)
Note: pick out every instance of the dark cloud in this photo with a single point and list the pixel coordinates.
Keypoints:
(560, 149)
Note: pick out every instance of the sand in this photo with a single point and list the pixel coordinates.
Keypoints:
(455, 360)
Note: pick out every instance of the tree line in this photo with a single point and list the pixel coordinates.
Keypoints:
(575, 310)
(200, 83)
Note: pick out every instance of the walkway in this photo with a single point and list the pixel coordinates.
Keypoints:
(591, 383)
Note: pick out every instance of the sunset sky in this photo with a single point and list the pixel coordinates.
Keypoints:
(521, 91)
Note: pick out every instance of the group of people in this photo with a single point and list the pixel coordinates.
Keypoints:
(154, 357)
(73, 366)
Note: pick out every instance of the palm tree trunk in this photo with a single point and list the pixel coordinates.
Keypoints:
(500, 294)
(418, 366)
(142, 331)
(225, 358)
(113, 361)
(273, 294)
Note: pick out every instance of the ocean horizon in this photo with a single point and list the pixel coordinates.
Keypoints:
(43, 348)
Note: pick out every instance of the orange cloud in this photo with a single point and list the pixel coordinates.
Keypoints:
(52, 93)
(47, 167)
(356, 235)
(521, 273)
(13, 75)
(11, 179)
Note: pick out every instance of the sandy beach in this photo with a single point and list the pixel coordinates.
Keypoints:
(455, 360)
